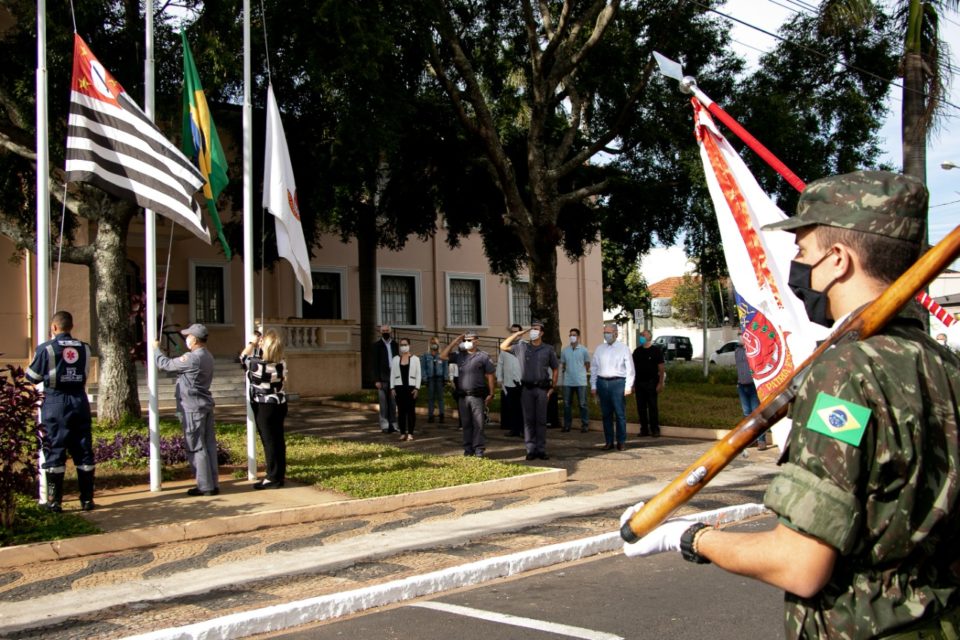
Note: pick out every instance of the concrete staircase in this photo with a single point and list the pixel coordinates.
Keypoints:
(227, 387)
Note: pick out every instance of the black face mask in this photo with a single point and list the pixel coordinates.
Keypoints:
(386, 336)
(815, 302)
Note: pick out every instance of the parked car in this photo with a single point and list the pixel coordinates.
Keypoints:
(724, 355)
(675, 347)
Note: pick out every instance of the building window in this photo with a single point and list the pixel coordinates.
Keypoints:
(209, 294)
(520, 303)
(465, 301)
(398, 295)
(327, 297)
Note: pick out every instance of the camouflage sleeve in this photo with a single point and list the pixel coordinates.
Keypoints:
(818, 491)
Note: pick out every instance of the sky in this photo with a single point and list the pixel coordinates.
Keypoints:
(943, 146)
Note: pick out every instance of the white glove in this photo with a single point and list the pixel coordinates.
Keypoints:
(666, 537)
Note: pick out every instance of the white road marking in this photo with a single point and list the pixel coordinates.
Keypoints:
(517, 621)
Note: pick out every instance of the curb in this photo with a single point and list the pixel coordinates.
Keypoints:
(292, 614)
(197, 529)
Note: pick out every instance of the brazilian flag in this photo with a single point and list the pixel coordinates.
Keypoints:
(200, 140)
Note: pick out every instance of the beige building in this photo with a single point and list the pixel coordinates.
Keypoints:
(423, 290)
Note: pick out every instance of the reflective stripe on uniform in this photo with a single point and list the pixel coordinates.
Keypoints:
(60, 469)
(51, 368)
(86, 467)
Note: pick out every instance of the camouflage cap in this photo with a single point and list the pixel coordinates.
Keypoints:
(880, 202)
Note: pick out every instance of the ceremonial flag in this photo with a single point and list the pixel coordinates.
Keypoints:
(280, 198)
(113, 145)
(201, 142)
(778, 335)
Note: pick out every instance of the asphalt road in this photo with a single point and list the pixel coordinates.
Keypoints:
(600, 599)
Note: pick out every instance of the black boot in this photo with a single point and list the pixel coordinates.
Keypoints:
(54, 491)
(85, 480)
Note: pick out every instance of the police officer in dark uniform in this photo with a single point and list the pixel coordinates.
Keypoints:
(62, 365)
(539, 368)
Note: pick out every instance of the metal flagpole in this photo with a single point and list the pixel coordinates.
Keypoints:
(688, 84)
(43, 201)
(248, 224)
(150, 258)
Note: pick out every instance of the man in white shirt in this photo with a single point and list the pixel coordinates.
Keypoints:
(611, 380)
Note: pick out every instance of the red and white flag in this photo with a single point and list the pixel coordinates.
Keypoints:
(778, 335)
(280, 199)
(112, 144)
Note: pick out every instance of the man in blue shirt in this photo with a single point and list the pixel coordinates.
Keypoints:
(435, 375)
(575, 365)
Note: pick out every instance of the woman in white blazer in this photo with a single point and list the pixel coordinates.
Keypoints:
(404, 384)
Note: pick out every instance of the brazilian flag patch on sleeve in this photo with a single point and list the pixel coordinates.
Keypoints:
(839, 419)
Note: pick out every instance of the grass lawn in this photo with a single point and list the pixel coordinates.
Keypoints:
(353, 469)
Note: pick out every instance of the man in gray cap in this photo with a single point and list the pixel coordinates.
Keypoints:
(539, 368)
(474, 389)
(194, 371)
(867, 499)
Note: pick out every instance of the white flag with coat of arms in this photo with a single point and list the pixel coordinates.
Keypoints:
(778, 335)
(280, 199)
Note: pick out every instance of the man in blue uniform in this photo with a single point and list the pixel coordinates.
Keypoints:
(63, 365)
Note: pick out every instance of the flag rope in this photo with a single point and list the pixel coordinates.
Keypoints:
(63, 217)
(166, 282)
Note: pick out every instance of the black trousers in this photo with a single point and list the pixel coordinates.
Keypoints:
(406, 409)
(269, 418)
(648, 410)
(511, 411)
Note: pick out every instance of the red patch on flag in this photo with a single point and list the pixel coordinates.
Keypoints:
(90, 77)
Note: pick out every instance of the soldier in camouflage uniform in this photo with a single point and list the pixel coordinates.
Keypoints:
(866, 543)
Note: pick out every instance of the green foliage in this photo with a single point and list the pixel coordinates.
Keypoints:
(816, 116)
(623, 286)
(692, 373)
(35, 523)
(18, 440)
(687, 302)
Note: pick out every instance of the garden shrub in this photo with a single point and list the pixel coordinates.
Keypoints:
(19, 444)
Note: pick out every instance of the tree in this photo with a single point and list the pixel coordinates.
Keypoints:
(546, 87)
(817, 100)
(924, 64)
(624, 289)
(115, 34)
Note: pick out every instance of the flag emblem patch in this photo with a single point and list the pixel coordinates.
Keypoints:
(839, 419)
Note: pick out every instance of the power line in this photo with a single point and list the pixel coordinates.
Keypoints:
(782, 6)
(943, 204)
(811, 50)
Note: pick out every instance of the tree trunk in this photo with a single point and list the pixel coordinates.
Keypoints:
(117, 386)
(543, 287)
(913, 129)
(367, 265)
